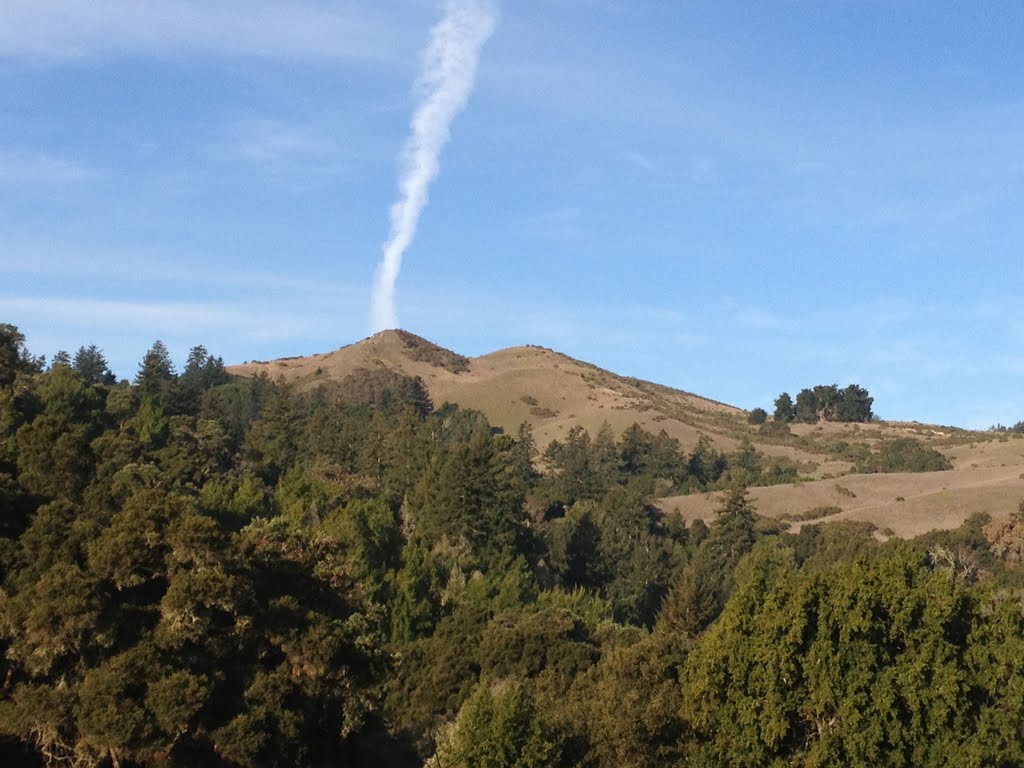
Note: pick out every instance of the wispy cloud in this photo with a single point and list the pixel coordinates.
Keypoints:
(39, 169)
(276, 140)
(562, 224)
(288, 148)
(751, 317)
(76, 29)
(158, 316)
(39, 263)
(640, 161)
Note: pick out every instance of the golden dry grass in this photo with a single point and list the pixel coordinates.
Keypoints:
(553, 393)
(550, 391)
(908, 504)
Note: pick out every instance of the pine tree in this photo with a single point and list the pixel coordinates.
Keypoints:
(785, 411)
(155, 371)
(92, 366)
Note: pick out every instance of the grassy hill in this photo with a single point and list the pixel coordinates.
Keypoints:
(554, 392)
(551, 391)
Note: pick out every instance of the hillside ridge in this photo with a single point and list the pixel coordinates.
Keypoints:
(548, 389)
(554, 393)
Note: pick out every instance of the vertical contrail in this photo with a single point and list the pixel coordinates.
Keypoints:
(446, 79)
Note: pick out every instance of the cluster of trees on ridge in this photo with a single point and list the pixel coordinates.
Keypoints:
(202, 570)
(826, 401)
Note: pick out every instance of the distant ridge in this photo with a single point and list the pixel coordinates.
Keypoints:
(553, 393)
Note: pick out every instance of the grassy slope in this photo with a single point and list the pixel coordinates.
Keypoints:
(553, 393)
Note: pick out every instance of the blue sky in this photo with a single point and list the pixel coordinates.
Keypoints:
(731, 198)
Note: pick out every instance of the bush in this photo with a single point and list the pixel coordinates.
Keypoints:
(815, 513)
(904, 454)
(757, 416)
(775, 429)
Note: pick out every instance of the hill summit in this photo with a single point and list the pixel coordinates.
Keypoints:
(554, 393)
(550, 391)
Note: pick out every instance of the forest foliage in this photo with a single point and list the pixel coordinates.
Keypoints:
(204, 570)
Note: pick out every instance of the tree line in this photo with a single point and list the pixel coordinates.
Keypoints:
(197, 569)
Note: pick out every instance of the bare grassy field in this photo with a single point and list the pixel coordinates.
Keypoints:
(907, 504)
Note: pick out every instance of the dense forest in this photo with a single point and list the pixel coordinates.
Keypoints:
(201, 570)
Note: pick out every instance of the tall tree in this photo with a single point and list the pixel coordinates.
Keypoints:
(155, 371)
(499, 726)
(806, 409)
(55, 457)
(61, 358)
(14, 355)
(854, 404)
(91, 365)
(202, 373)
(785, 410)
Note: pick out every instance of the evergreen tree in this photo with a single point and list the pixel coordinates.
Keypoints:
(499, 726)
(61, 359)
(54, 453)
(785, 410)
(156, 371)
(635, 448)
(827, 399)
(202, 373)
(806, 409)
(14, 355)
(92, 366)
(854, 404)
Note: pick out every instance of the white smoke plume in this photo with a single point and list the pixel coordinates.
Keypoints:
(446, 79)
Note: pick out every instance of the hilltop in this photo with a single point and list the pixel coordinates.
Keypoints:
(551, 391)
(554, 392)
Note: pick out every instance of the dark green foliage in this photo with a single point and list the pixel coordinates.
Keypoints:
(92, 366)
(235, 405)
(385, 389)
(854, 404)
(499, 726)
(585, 469)
(785, 409)
(863, 664)
(828, 402)
(578, 470)
(14, 355)
(54, 454)
(197, 571)
(904, 454)
(1017, 428)
(819, 546)
(465, 496)
(732, 536)
(757, 416)
(638, 559)
(156, 372)
(574, 548)
(416, 605)
(705, 464)
(61, 358)
(272, 442)
(806, 407)
(202, 373)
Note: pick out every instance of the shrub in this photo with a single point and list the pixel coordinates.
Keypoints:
(904, 454)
